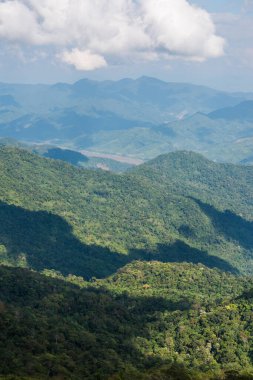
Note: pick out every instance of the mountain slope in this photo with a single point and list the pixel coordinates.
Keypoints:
(242, 112)
(225, 186)
(91, 223)
(149, 321)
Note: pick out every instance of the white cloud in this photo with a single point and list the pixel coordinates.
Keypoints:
(83, 60)
(92, 32)
(181, 29)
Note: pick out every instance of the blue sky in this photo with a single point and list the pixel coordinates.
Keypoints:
(224, 6)
(205, 42)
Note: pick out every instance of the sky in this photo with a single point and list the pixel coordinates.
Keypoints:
(207, 42)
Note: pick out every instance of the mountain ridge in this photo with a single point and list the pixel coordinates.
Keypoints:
(112, 219)
(140, 118)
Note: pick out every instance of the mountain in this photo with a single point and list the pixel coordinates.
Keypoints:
(219, 139)
(149, 321)
(248, 160)
(144, 99)
(90, 223)
(240, 112)
(145, 275)
(139, 118)
(191, 175)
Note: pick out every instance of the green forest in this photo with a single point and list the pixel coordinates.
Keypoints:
(141, 275)
(148, 321)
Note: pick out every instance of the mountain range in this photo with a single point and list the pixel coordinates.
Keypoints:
(178, 207)
(135, 118)
(126, 232)
(142, 275)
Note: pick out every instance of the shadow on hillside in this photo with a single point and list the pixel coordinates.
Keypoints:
(56, 330)
(230, 225)
(40, 240)
(179, 252)
(100, 332)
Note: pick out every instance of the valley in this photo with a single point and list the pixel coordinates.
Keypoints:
(122, 159)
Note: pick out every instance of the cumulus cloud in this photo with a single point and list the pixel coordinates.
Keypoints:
(90, 33)
(83, 60)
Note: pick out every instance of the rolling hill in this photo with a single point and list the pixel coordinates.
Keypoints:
(179, 207)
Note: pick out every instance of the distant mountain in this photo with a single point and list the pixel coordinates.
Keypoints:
(145, 100)
(138, 118)
(241, 112)
(177, 208)
(7, 100)
(218, 139)
(248, 160)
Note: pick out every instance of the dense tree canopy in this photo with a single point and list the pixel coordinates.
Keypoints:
(141, 274)
(180, 207)
(139, 321)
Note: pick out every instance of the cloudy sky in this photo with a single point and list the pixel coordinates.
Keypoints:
(200, 41)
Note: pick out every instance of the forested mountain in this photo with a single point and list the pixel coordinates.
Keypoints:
(138, 275)
(179, 207)
(138, 118)
(150, 321)
(226, 186)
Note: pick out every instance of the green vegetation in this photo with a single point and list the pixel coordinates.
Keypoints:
(225, 186)
(90, 223)
(139, 272)
(148, 321)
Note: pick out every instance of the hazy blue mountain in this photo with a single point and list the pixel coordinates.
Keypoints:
(219, 140)
(240, 112)
(138, 118)
(7, 100)
(248, 160)
(145, 99)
